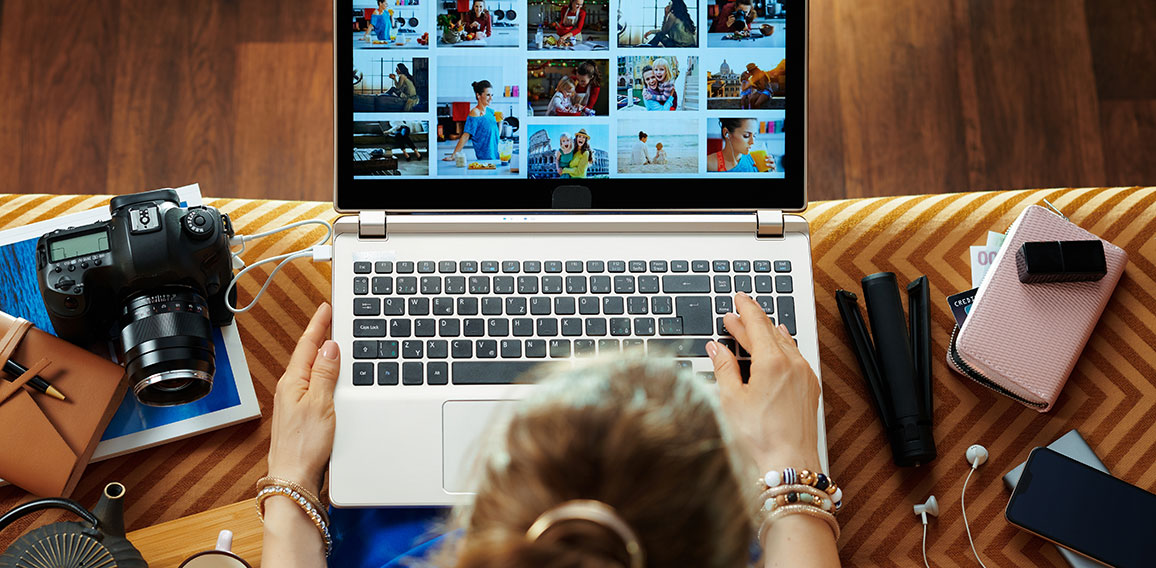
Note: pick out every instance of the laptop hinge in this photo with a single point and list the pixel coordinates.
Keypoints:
(371, 224)
(769, 223)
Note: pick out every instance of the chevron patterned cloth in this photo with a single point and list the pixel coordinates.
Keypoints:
(1109, 396)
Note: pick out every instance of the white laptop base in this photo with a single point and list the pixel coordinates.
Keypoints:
(413, 445)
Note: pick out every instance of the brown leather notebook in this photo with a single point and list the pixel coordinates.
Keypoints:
(46, 443)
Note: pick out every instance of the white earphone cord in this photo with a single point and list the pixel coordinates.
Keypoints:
(963, 509)
(280, 259)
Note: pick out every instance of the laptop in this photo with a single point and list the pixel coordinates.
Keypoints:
(524, 185)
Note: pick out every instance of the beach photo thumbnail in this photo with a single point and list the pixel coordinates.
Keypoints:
(391, 148)
(747, 23)
(653, 147)
(568, 87)
(652, 82)
(746, 79)
(568, 151)
(477, 23)
(381, 24)
(658, 23)
(390, 82)
(746, 145)
(568, 25)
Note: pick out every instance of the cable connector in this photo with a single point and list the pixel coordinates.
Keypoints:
(323, 253)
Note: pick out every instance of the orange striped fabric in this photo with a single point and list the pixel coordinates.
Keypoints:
(1109, 397)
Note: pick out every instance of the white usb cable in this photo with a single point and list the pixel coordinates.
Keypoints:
(319, 252)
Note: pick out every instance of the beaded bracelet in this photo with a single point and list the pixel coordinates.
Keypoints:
(313, 511)
(269, 480)
(795, 494)
(791, 476)
(809, 510)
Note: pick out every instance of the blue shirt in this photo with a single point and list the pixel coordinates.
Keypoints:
(745, 164)
(381, 24)
(483, 131)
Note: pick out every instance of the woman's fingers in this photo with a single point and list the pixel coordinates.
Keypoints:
(327, 364)
(755, 323)
(726, 366)
(311, 340)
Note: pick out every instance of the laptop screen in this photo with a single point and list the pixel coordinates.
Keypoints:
(497, 104)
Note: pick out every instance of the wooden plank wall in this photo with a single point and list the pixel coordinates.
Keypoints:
(907, 96)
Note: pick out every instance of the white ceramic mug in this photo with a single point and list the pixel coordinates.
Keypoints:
(220, 557)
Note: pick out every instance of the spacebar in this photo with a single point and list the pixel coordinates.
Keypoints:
(503, 372)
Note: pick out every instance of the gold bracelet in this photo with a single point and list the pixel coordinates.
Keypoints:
(784, 495)
(809, 510)
(314, 513)
(309, 496)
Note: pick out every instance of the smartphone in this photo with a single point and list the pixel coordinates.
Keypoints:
(1088, 511)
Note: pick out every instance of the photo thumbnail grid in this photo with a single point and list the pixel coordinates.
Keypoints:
(480, 88)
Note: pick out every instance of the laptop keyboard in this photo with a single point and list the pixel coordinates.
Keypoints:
(488, 322)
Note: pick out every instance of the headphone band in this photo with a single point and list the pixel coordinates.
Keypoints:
(595, 512)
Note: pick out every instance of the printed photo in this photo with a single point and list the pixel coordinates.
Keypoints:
(567, 87)
(382, 24)
(477, 120)
(658, 146)
(391, 148)
(747, 23)
(658, 23)
(390, 82)
(568, 25)
(477, 23)
(569, 151)
(746, 145)
(658, 83)
(756, 82)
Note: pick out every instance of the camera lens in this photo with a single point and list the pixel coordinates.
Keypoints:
(166, 345)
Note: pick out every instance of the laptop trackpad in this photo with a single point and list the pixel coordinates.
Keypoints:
(464, 422)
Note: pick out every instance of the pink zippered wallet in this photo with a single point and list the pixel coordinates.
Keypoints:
(1023, 340)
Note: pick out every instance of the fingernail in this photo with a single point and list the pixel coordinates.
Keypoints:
(743, 295)
(329, 350)
(711, 349)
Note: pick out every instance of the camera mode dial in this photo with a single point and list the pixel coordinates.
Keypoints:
(198, 224)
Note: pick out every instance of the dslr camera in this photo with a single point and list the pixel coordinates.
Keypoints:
(153, 278)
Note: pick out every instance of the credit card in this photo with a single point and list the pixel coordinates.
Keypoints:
(961, 304)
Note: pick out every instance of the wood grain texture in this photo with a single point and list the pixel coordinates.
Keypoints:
(167, 545)
(905, 96)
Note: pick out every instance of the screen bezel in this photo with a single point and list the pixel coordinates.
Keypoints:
(615, 194)
(1045, 457)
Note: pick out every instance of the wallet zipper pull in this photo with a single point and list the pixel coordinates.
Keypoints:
(966, 370)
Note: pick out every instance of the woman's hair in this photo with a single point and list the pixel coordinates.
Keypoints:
(481, 86)
(630, 432)
(401, 68)
(565, 84)
(583, 146)
(730, 124)
(678, 8)
(589, 69)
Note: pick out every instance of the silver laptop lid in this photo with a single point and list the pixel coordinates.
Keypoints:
(536, 105)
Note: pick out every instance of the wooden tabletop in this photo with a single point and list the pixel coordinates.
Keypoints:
(1109, 396)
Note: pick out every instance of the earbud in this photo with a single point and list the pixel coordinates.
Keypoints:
(931, 507)
(976, 455)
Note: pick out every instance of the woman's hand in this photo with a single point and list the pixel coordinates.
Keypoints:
(303, 418)
(773, 416)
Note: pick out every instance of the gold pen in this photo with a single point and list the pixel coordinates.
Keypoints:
(37, 382)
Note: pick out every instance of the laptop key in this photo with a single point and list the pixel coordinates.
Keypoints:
(573, 266)
(448, 327)
(784, 284)
(624, 284)
(613, 305)
(764, 284)
(575, 284)
(467, 306)
(677, 284)
(487, 349)
(619, 326)
(547, 327)
(468, 266)
(362, 267)
(366, 307)
(699, 266)
(426, 267)
(443, 306)
(362, 374)
(609, 346)
(387, 373)
(682, 347)
(404, 267)
(564, 305)
(489, 266)
(540, 306)
(600, 284)
(418, 306)
(491, 306)
(588, 305)
(637, 266)
(723, 305)
(431, 285)
(455, 284)
(388, 349)
(447, 266)
(462, 348)
(382, 285)
(637, 305)
(411, 374)
(515, 306)
(632, 344)
(511, 266)
(501, 372)
(407, 285)
(584, 348)
(648, 284)
(720, 327)
(658, 266)
(437, 349)
(679, 266)
(364, 349)
(721, 266)
(535, 348)
(497, 327)
(425, 327)
(368, 328)
(722, 284)
(742, 265)
(383, 267)
(616, 266)
(661, 305)
(393, 306)
(767, 303)
(571, 327)
(511, 348)
(412, 349)
(551, 284)
(643, 326)
(523, 327)
(787, 313)
(399, 328)
(696, 314)
(743, 284)
(559, 348)
(474, 327)
(479, 284)
(782, 266)
(669, 326)
(595, 266)
(532, 266)
(553, 266)
(762, 266)
(527, 284)
(595, 327)
(360, 286)
(437, 373)
(503, 284)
